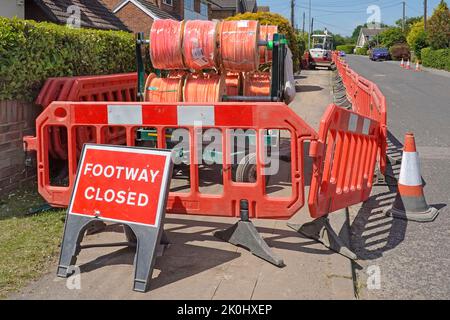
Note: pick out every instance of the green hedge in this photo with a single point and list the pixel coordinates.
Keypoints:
(439, 59)
(347, 48)
(361, 51)
(31, 52)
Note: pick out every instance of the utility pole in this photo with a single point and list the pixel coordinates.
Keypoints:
(404, 16)
(425, 5)
(292, 13)
(309, 25)
(303, 29)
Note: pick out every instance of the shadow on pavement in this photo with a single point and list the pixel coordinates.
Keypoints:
(372, 232)
(307, 88)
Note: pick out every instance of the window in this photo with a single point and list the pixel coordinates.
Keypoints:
(204, 9)
(168, 2)
(189, 4)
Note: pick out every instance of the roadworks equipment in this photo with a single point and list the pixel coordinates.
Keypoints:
(410, 203)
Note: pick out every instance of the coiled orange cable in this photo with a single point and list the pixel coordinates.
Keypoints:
(239, 45)
(204, 88)
(257, 84)
(200, 44)
(165, 44)
(266, 34)
(163, 89)
(233, 83)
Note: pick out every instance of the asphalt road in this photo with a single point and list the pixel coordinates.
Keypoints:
(413, 258)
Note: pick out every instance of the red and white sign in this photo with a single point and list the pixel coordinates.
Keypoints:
(122, 184)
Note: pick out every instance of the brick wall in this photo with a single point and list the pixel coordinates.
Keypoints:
(221, 14)
(17, 119)
(135, 19)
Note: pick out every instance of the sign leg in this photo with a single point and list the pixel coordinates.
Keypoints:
(73, 234)
(147, 241)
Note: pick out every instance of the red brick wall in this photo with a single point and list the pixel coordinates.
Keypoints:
(111, 4)
(17, 119)
(135, 19)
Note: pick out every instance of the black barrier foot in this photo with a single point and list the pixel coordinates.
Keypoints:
(321, 231)
(244, 234)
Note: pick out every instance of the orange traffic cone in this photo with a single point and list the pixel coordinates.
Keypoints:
(417, 66)
(408, 65)
(402, 64)
(410, 203)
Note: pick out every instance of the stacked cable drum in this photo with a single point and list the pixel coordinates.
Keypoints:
(164, 89)
(200, 48)
(233, 83)
(239, 45)
(165, 44)
(257, 84)
(266, 34)
(204, 88)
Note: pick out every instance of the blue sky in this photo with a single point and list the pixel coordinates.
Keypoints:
(342, 16)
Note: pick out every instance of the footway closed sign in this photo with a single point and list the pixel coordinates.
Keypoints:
(121, 184)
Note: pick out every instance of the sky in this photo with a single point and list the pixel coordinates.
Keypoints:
(342, 16)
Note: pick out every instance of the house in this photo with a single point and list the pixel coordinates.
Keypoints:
(222, 9)
(138, 15)
(12, 8)
(263, 9)
(366, 35)
(87, 14)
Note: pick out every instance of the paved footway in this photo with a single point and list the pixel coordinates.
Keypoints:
(199, 266)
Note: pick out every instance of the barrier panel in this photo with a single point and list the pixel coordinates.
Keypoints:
(161, 119)
(344, 161)
(367, 100)
(115, 87)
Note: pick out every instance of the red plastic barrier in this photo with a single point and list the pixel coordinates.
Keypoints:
(344, 161)
(221, 116)
(367, 100)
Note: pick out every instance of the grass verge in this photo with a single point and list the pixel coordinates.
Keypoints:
(28, 243)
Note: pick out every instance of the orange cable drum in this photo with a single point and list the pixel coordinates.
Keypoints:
(233, 83)
(200, 44)
(165, 44)
(266, 34)
(163, 89)
(239, 45)
(204, 88)
(257, 84)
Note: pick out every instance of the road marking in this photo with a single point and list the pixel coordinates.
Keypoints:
(379, 75)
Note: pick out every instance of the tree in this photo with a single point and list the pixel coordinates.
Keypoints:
(438, 34)
(417, 38)
(339, 40)
(409, 22)
(392, 36)
(356, 32)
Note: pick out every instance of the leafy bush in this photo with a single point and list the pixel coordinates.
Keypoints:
(31, 52)
(400, 51)
(417, 38)
(362, 51)
(391, 36)
(439, 59)
(439, 27)
(284, 27)
(347, 48)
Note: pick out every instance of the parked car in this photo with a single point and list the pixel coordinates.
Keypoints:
(342, 54)
(379, 54)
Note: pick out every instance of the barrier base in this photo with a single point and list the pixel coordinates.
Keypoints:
(321, 231)
(244, 234)
(427, 216)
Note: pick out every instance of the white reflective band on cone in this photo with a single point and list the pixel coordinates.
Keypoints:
(410, 170)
